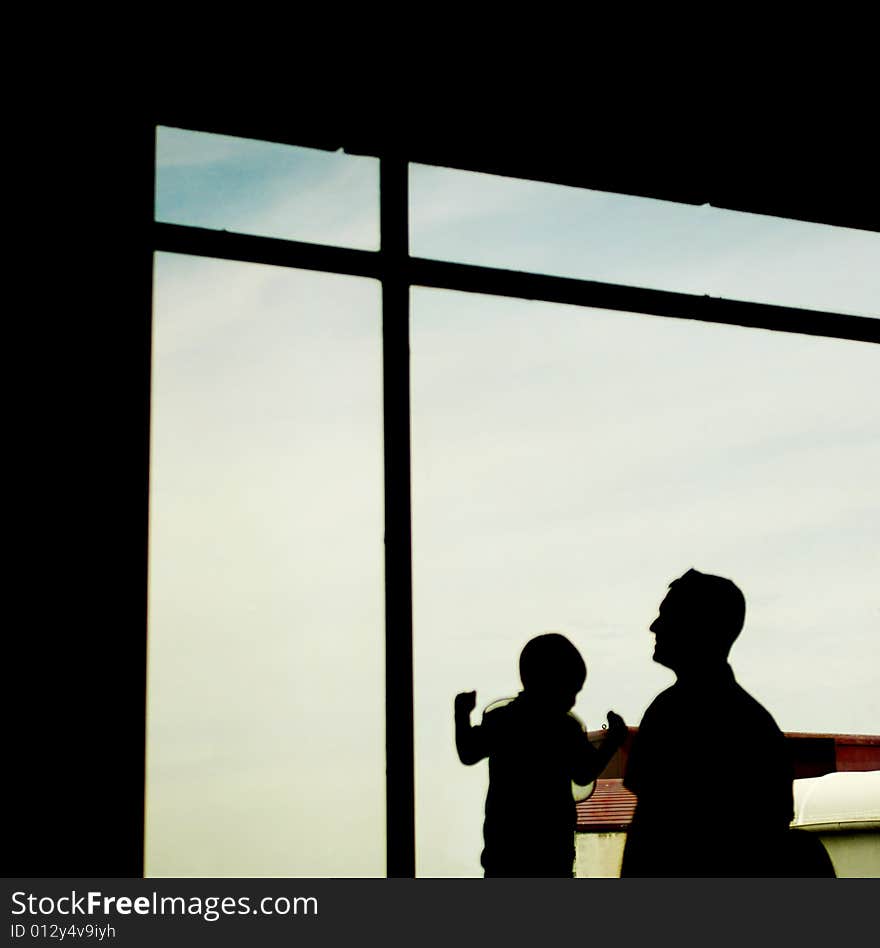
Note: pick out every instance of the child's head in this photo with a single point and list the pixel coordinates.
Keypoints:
(552, 670)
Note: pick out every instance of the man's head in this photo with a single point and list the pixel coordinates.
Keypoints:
(552, 670)
(698, 621)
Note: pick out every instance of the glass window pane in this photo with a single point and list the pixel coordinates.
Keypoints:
(266, 615)
(267, 189)
(569, 463)
(537, 227)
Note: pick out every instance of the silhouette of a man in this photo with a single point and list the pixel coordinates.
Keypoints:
(708, 765)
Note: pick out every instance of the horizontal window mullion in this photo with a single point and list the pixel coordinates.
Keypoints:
(176, 238)
(551, 289)
(246, 248)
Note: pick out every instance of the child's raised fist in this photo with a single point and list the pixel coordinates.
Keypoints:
(465, 702)
(617, 727)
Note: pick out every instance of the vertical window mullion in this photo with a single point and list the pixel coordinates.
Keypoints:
(400, 777)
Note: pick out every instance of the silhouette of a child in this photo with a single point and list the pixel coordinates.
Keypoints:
(536, 748)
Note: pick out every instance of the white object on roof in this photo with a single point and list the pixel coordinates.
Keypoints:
(846, 800)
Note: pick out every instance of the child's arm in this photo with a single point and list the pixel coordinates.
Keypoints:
(468, 740)
(590, 764)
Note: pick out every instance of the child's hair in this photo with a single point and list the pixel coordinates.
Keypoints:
(550, 660)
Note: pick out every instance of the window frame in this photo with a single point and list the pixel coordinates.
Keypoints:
(398, 272)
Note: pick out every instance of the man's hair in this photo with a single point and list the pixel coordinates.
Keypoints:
(549, 660)
(715, 602)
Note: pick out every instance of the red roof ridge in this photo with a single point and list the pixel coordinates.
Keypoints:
(609, 809)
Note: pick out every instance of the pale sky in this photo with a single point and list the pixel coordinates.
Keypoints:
(567, 464)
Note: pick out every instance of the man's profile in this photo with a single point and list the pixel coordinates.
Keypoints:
(727, 810)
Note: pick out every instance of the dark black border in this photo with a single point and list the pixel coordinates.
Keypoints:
(82, 338)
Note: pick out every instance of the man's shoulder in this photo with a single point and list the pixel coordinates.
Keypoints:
(664, 703)
(751, 709)
(662, 714)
